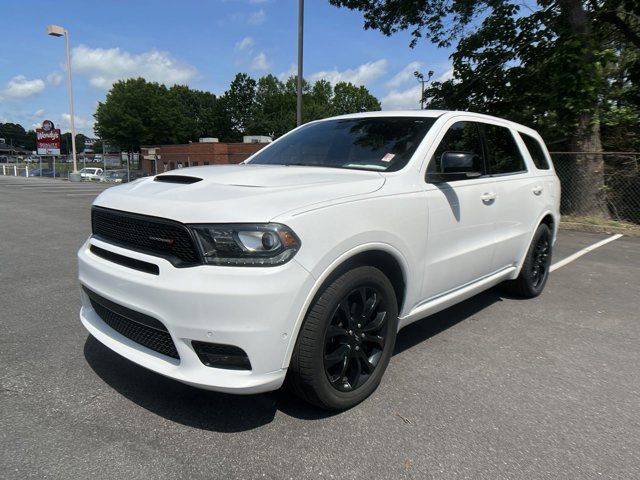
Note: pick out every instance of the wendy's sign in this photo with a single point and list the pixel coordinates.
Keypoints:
(48, 139)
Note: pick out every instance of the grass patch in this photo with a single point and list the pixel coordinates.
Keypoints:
(599, 224)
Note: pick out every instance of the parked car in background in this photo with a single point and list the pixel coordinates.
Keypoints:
(113, 176)
(305, 261)
(32, 159)
(41, 172)
(91, 173)
(133, 175)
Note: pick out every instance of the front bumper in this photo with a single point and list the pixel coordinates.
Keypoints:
(252, 308)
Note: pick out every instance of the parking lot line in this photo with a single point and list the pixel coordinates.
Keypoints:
(584, 251)
(82, 194)
(53, 185)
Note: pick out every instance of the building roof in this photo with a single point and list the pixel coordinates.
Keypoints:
(5, 148)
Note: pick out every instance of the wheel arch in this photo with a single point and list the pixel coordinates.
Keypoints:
(550, 220)
(382, 256)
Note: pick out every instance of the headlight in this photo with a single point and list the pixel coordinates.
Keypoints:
(260, 245)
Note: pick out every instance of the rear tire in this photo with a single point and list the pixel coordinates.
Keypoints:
(346, 341)
(535, 269)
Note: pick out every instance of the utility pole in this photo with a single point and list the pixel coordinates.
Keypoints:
(58, 31)
(300, 35)
(420, 78)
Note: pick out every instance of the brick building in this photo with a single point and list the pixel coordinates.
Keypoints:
(162, 158)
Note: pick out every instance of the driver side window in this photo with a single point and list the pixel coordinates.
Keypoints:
(461, 138)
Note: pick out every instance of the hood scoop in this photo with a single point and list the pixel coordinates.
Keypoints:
(184, 179)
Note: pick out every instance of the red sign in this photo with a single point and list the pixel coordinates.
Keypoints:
(48, 139)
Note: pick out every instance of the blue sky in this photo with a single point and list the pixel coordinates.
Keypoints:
(199, 43)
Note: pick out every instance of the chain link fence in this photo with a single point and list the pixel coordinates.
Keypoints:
(58, 167)
(602, 185)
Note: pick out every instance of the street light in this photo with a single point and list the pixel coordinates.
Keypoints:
(58, 31)
(420, 78)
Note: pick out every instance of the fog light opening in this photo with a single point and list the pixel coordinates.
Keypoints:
(217, 355)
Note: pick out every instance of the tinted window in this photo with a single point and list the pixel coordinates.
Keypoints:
(503, 154)
(536, 151)
(462, 137)
(382, 143)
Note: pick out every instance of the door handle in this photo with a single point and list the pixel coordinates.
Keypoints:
(488, 197)
(537, 190)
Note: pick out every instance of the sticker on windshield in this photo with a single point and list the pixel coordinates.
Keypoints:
(388, 157)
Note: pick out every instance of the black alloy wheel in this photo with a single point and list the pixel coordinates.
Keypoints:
(355, 338)
(536, 267)
(347, 338)
(541, 257)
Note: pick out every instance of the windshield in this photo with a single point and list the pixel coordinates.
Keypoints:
(375, 143)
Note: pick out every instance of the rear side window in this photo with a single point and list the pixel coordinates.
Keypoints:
(462, 137)
(536, 151)
(503, 154)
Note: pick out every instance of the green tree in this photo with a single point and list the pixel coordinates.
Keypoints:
(97, 146)
(137, 112)
(197, 112)
(274, 108)
(348, 98)
(540, 65)
(15, 134)
(240, 103)
(65, 143)
(317, 101)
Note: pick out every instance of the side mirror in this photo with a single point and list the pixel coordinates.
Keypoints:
(457, 166)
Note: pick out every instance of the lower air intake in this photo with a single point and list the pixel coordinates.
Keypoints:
(142, 329)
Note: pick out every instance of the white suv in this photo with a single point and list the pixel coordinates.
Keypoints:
(304, 261)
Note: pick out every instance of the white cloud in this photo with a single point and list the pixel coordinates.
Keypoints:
(104, 66)
(260, 62)
(284, 76)
(246, 43)
(39, 113)
(448, 75)
(404, 75)
(54, 78)
(21, 87)
(82, 125)
(361, 75)
(408, 99)
(257, 17)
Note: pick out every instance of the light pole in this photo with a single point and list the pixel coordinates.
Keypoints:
(58, 31)
(420, 78)
(300, 34)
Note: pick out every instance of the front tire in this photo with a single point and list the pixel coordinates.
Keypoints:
(535, 269)
(346, 341)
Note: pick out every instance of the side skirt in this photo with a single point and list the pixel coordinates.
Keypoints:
(446, 300)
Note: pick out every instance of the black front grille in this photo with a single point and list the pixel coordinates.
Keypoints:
(155, 236)
(143, 329)
(125, 261)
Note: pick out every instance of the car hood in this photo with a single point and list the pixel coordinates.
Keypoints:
(237, 193)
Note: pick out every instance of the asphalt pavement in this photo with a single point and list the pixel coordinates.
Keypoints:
(493, 388)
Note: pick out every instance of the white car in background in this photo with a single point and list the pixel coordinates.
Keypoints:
(305, 261)
(90, 173)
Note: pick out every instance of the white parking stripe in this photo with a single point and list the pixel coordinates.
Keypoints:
(65, 191)
(82, 194)
(584, 251)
